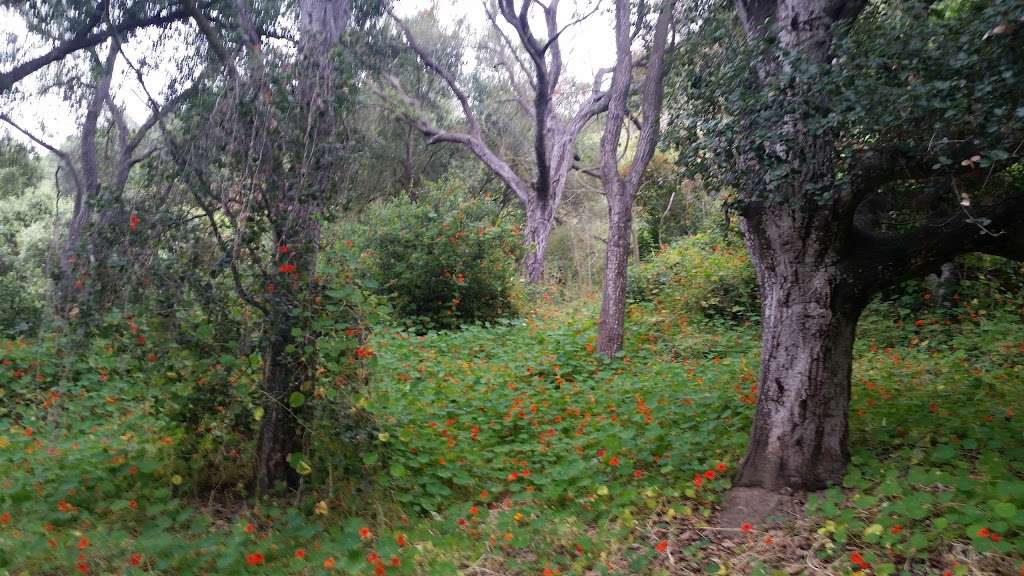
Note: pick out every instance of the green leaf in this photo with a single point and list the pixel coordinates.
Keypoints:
(296, 399)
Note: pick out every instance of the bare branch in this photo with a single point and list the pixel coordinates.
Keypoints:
(449, 79)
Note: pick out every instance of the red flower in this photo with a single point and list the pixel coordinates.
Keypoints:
(995, 537)
(379, 570)
(5, 518)
(473, 511)
(282, 249)
(135, 559)
(133, 504)
(462, 522)
(512, 477)
(661, 546)
(364, 352)
(300, 553)
(83, 543)
(372, 558)
(614, 461)
(365, 533)
(286, 268)
(638, 474)
(721, 467)
(697, 480)
(254, 559)
(395, 561)
(400, 539)
(83, 567)
(133, 221)
(983, 533)
(329, 563)
(746, 527)
(250, 528)
(857, 559)
(896, 529)
(709, 474)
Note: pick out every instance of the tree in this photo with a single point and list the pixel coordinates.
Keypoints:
(535, 73)
(621, 189)
(265, 194)
(77, 26)
(822, 105)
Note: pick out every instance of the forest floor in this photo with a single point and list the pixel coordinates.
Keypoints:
(513, 449)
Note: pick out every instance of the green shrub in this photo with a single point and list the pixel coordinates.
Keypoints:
(447, 260)
(704, 274)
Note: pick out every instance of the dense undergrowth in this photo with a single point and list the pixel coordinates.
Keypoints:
(513, 449)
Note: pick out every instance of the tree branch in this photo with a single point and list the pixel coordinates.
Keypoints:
(85, 38)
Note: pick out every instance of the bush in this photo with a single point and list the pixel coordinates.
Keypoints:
(447, 260)
(704, 274)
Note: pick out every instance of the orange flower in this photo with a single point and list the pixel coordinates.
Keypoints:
(661, 546)
(254, 559)
(614, 461)
(329, 563)
(400, 539)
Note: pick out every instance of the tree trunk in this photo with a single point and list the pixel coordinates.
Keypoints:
(279, 433)
(290, 361)
(540, 220)
(810, 309)
(613, 301)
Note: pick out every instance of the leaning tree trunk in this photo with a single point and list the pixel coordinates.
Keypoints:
(540, 220)
(613, 301)
(810, 309)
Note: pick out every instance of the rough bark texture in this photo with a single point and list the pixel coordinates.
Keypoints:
(817, 265)
(810, 311)
(620, 190)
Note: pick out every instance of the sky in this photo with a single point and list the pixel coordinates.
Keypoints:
(587, 47)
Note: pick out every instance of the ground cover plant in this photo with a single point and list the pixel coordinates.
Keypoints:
(511, 448)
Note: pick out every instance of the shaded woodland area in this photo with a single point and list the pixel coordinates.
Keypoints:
(346, 286)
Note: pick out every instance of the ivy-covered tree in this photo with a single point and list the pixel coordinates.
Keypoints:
(802, 111)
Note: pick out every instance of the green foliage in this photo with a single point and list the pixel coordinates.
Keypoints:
(26, 208)
(600, 449)
(447, 260)
(953, 67)
(699, 276)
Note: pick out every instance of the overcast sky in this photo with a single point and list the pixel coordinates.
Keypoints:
(586, 47)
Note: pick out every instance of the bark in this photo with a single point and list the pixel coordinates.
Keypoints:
(290, 360)
(810, 307)
(621, 190)
(75, 258)
(611, 327)
(817, 261)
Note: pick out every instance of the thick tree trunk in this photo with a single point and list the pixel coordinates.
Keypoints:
(810, 309)
(540, 220)
(613, 302)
